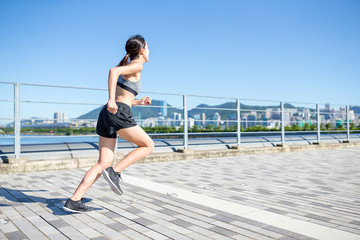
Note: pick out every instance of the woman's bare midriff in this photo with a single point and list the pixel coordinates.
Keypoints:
(124, 96)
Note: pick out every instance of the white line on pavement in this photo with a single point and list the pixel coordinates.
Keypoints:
(273, 219)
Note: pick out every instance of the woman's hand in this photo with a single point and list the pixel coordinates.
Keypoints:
(145, 101)
(112, 107)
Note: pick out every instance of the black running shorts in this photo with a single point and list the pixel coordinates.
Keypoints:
(108, 124)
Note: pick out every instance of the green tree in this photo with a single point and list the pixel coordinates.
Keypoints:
(210, 128)
(297, 128)
(307, 127)
(340, 126)
(195, 128)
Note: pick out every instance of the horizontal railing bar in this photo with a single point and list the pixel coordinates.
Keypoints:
(68, 119)
(7, 83)
(94, 104)
(159, 93)
(256, 121)
(6, 136)
(175, 133)
(304, 120)
(313, 103)
(61, 86)
(258, 100)
(300, 108)
(171, 133)
(215, 133)
(241, 99)
(311, 112)
(164, 134)
(192, 95)
(58, 136)
(229, 109)
(158, 106)
(7, 100)
(172, 120)
(269, 120)
(91, 104)
(258, 110)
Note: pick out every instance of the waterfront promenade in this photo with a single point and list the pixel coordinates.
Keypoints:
(292, 195)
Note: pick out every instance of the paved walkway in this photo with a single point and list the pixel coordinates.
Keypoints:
(296, 195)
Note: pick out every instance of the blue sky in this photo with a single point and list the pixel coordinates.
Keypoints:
(300, 51)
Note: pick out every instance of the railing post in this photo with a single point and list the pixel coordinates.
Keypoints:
(282, 123)
(347, 124)
(185, 121)
(116, 144)
(318, 122)
(17, 120)
(238, 122)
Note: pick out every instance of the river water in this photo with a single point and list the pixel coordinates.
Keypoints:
(36, 139)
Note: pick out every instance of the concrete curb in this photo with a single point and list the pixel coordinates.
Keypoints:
(23, 165)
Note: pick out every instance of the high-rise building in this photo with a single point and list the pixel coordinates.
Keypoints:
(59, 117)
(191, 122)
(327, 106)
(161, 121)
(217, 119)
(351, 115)
(197, 119)
(163, 109)
(177, 119)
(307, 114)
(203, 117)
(264, 122)
(244, 122)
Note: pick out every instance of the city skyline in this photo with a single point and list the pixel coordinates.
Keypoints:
(270, 118)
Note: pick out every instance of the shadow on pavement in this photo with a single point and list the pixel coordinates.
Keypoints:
(17, 197)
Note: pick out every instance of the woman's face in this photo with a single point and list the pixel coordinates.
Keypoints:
(146, 53)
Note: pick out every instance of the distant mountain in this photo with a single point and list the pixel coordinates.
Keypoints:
(148, 112)
(229, 113)
(94, 114)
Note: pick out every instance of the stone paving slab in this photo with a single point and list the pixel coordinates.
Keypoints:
(316, 186)
(319, 187)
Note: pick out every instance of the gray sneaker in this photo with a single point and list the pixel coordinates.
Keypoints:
(76, 206)
(113, 178)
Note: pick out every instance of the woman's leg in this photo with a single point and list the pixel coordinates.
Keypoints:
(106, 149)
(139, 137)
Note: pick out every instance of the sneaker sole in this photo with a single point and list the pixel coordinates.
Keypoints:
(73, 211)
(112, 185)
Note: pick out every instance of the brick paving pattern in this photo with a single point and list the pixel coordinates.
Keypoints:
(322, 187)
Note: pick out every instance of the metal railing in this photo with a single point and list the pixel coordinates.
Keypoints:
(185, 110)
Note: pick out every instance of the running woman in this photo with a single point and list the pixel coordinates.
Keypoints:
(115, 118)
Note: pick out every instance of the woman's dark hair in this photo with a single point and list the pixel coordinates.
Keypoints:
(133, 46)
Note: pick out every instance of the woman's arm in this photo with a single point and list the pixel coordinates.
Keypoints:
(143, 101)
(135, 102)
(114, 74)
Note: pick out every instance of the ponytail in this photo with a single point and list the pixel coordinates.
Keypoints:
(124, 61)
(133, 47)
